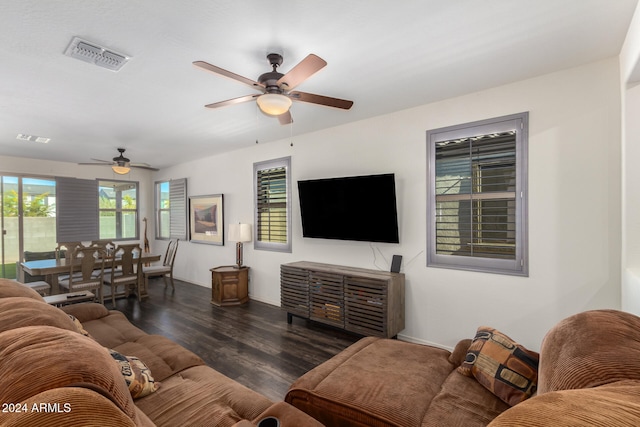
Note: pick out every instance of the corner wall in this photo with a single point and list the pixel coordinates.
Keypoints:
(574, 207)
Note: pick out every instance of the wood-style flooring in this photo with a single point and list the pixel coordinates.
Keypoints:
(251, 343)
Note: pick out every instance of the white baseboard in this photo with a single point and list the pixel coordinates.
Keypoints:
(423, 342)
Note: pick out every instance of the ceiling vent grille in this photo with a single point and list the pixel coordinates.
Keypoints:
(92, 53)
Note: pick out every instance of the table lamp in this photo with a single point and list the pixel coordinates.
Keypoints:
(239, 233)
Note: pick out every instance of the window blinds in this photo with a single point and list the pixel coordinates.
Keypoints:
(76, 209)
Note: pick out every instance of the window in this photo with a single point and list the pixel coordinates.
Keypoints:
(272, 191)
(477, 192)
(171, 209)
(118, 209)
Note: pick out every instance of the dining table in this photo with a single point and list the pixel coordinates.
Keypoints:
(51, 268)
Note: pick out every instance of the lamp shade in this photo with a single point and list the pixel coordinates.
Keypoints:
(273, 104)
(240, 232)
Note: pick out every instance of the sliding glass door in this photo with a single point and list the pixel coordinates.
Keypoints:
(27, 219)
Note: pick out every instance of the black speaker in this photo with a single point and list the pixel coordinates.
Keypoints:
(395, 263)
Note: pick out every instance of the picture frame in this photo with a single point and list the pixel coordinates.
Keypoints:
(206, 219)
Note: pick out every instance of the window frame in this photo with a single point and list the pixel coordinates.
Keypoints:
(119, 210)
(519, 266)
(283, 162)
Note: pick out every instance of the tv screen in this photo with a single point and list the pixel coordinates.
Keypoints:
(351, 208)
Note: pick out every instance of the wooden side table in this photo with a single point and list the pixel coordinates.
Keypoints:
(229, 285)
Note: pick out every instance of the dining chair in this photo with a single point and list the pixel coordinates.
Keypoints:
(86, 260)
(128, 258)
(109, 248)
(164, 270)
(65, 250)
(105, 244)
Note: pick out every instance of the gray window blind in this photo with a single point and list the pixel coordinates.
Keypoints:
(76, 209)
(178, 208)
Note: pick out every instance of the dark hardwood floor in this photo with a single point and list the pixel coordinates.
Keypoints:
(251, 343)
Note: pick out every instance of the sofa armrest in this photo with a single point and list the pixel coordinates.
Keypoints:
(459, 353)
(86, 311)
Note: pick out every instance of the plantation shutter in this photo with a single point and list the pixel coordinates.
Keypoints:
(272, 214)
(272, 205)
(76, 209)
(476, 196)
(178, 208)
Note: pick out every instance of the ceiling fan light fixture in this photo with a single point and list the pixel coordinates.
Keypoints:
(274, 104)
(121, 170)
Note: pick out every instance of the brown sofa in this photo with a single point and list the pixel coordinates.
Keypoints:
(53, 375)
(588, 375)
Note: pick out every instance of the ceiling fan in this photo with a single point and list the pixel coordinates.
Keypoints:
(120, 164)
(277, 88)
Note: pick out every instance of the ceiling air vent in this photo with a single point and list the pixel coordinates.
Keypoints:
(94, 54)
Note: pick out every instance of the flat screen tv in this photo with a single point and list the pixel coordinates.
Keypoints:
(351, 208)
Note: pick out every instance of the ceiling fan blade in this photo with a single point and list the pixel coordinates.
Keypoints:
(285, 118)
(217, 70)
(100, 164)
(139, 166)
(301, 72)
(322, 100)
(233, 101)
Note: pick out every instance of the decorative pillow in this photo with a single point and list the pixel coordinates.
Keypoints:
(136, 374)
(79, 326)
(504, 367)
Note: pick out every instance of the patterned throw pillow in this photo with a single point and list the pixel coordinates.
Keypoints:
(136, 374)
(504, 367)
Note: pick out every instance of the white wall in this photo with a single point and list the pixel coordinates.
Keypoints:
(574, 207)
(630, 88)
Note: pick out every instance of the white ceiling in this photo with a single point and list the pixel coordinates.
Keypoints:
(385, 55)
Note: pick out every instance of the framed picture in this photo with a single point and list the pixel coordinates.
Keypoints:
(206, 220)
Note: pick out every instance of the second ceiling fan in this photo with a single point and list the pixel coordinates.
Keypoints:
(277, 88)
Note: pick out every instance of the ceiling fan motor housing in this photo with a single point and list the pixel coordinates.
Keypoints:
(121, 160)
(270, 79)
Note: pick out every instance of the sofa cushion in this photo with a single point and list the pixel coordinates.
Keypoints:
(40, 358)
(136, 374)
(17, 312)
(612, 405)
(86, 311)
(79, 328)
(112, 330)
(204, 397)
(590, 349)
(11, 288)
(373, 382)
(506, 368)
(463, 401)
(163, 356)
